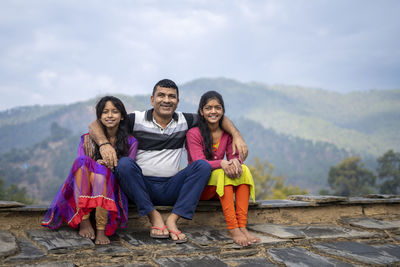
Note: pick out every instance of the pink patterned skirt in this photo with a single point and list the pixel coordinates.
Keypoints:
(88, 186)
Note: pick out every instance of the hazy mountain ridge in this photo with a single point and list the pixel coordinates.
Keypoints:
(23, 114)
(303, 162)
(301, 131)
(43, 167)
(40, 168)
(75, 117)
(366, 122)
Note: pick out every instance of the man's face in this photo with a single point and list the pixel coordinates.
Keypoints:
(165, 101)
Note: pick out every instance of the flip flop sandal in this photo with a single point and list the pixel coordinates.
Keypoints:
(178, 241)
(162, 236)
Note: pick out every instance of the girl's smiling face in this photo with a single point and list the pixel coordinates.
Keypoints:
(212, 111)
(111, 116)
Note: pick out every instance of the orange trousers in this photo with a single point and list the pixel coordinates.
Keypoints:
(234, 218)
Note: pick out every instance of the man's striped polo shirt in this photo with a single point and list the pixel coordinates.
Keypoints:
(159, 151)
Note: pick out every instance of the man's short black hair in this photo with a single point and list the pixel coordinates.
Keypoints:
(167, 84)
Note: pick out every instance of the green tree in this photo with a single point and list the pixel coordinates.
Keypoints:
(13, 193)
(351, 178)
(324, 192)
(281, 191)
(268, 186)
(389, 171)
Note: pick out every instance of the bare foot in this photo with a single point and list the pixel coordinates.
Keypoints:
(86, 229)
(156, 220)
(174, 232)
(250, 238)
(239, 237)
(101, 238)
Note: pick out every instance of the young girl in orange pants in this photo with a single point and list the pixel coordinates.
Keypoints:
(229, 177)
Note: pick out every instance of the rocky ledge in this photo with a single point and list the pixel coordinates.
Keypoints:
(308, 231)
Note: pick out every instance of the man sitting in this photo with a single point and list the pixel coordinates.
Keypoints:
(155, 179)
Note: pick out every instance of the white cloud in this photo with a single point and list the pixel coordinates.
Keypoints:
(261, 11)
(47, 78)
(67, 87)
(57, 52)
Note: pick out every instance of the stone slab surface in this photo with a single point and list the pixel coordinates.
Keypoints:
(215, 203)
(276, 230)
(113, 249)
(10, 204)
(202, 261)
(27, 251)
(296, 256)
(282, 203)
(268, 240)
(381, 196)
(210, 206)
(49, 264)
(391, 249)
(331, 231)
(370, 223)
(29, 208)
(205, 236)
(59, 241)
(362, 200)
(251, 262)
(8, 244)
(240, 252)
(162, 208)
(130, 265)
(384, 254)
(318, 199)
(140, 238)
(188, 248)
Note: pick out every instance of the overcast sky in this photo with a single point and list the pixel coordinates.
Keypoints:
(64, 51)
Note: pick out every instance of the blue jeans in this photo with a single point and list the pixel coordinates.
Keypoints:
(183, 190)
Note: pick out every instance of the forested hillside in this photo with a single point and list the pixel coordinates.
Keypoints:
(364, 122)
(43, 167)
(303, 162)
(25, 126)
(301, 131)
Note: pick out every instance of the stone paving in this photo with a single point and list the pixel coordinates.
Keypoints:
(346, 241)
(314, 245)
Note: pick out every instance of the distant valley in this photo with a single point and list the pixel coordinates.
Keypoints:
(301, 131)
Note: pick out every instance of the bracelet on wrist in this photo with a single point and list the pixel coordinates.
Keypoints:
(106, 143)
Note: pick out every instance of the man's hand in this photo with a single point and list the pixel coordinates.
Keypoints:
(239, 144)
(106, 150)
(109, 156)
(88, 146)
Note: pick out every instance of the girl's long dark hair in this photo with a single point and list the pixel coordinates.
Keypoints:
(204, 130)
(121, 141)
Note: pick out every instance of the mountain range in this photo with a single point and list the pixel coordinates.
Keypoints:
(301, 131)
